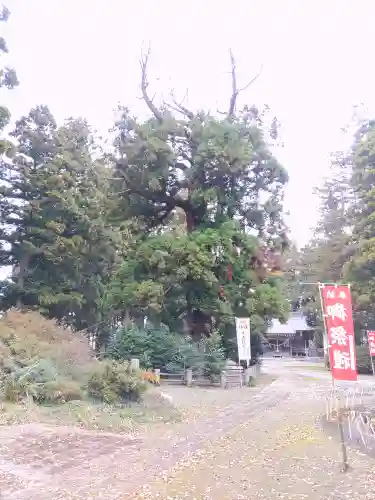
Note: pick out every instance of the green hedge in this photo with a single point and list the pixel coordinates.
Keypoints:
(112, 382)
(160, 348)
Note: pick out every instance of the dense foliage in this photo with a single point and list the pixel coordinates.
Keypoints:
(160, 348)
(54, 365)
(8, 80)
(342, 247)
(41, 360)
(112, 382)
(178, 224)
(154, 347)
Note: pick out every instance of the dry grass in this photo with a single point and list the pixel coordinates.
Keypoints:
(89, 416)
(28, 336)
(310, 368)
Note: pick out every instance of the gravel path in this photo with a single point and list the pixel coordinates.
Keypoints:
(280, 453)
(237, 444)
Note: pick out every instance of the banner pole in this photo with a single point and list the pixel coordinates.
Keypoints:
(344, 454)
(325, 329)
(335, 397)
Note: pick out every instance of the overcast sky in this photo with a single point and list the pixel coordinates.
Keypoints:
(81, 58)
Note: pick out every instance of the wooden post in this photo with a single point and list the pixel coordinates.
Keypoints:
(344, 454)
(157, 375)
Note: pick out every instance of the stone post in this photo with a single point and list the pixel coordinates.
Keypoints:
(223, 380)
(134, 363)
(189, 377)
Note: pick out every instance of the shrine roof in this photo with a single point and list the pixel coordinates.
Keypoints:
(296, 323)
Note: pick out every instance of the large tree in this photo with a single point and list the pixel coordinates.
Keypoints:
(219, 177)
(8, 80)
(53, 204)
(361, 268)
(342, 246)
(323, 258)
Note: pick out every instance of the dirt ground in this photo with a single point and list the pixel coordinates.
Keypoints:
(263, 442)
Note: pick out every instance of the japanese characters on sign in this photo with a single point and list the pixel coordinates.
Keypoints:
(243, 339)
(371, 342)
(337, 310)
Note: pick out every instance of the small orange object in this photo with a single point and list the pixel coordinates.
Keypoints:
(151, 377)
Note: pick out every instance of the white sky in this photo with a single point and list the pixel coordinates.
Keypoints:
(81, 58)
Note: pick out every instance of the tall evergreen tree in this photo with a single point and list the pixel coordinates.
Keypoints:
(361, 269)
(8, 80)
(54, 205)
(324, 257)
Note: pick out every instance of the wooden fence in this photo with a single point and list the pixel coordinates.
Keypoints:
(232, 376)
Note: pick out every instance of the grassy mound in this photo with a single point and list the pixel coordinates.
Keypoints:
(54, 365)
(40, 359)
(49, 373)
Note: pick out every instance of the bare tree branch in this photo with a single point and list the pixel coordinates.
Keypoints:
(144, 84)
(179, 108)
(235, 90)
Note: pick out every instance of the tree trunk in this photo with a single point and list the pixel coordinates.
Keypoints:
(21, 279)
(189, 221)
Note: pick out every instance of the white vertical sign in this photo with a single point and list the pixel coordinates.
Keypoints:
(243, 339)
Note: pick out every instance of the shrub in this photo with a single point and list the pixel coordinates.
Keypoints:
(16, 390)
(112, 382)
(59, 391)
(214, 356)
(251, 382)
(128, 343)
(159, 348)
(41, 382)
(154, 347)
(40, 359)
(23, 381)
(188, 354)
(363, 360)
(206, 356)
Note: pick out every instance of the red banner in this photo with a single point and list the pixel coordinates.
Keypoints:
(337, 310)
(371, 342)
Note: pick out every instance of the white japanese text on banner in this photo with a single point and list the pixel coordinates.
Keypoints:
(337, 309)
(371, 342)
